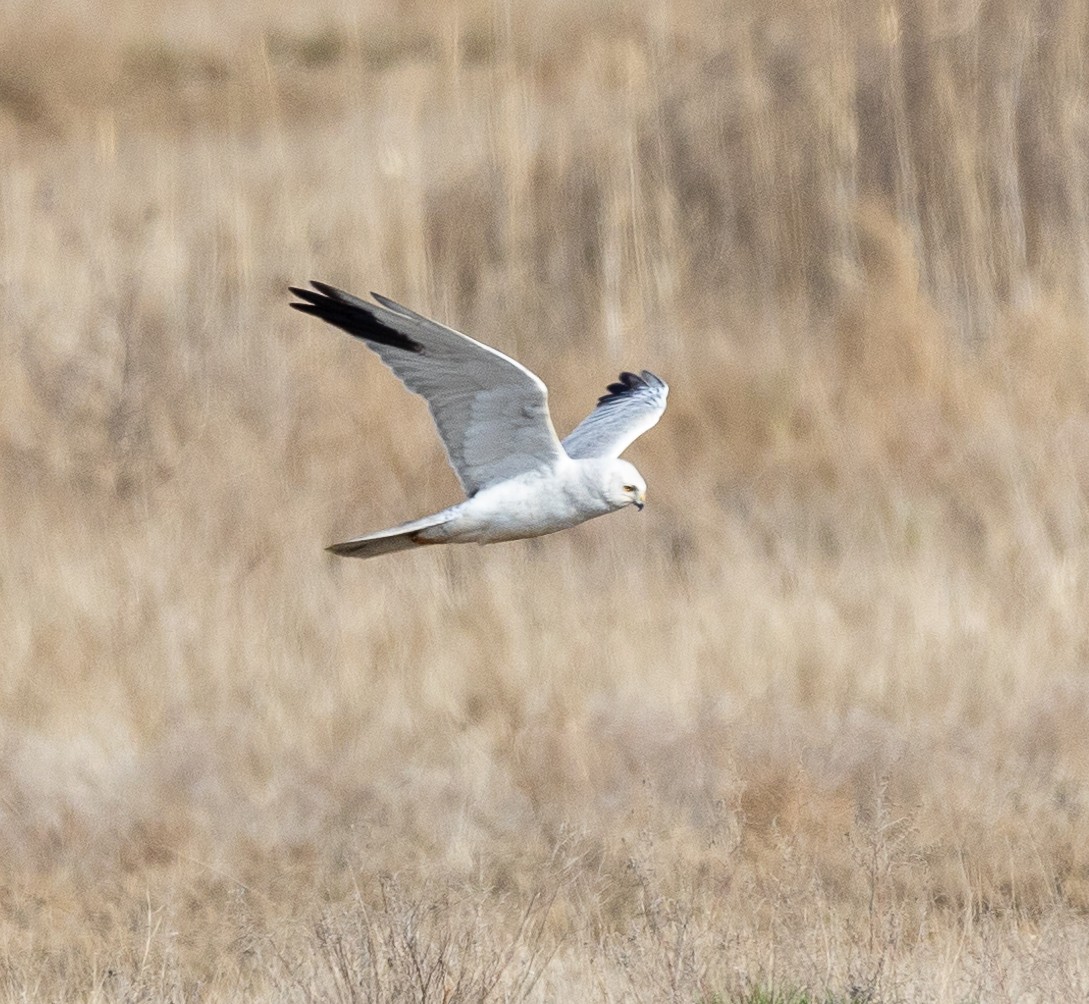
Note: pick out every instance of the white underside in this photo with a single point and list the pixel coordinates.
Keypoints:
(526, 506)
(532, 504)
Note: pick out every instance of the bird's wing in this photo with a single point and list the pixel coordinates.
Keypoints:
(633, 405)
(492, 413)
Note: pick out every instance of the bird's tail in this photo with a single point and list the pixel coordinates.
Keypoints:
(396, 538)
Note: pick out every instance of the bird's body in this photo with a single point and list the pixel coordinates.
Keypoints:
(493, 416)
(514, 509)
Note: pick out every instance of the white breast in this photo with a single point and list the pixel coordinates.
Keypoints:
(526, 506)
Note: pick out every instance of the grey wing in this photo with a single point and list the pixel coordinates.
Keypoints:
(632, 405)
(491, 412)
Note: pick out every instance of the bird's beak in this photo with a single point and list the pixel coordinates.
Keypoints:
(640, 501)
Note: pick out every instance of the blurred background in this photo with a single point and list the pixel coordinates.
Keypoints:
(814, 726)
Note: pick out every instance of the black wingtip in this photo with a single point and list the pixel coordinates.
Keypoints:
(331, 291)
(309, 295)
(629, 384)
(363, 320)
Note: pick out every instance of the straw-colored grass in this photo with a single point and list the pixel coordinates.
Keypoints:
(813, 727)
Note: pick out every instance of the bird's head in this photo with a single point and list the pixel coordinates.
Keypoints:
(625, 485)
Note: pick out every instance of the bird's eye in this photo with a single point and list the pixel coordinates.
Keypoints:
(630, 489)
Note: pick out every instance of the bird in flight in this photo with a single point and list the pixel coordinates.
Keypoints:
(492, 415)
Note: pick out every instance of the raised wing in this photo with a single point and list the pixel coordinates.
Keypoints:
(633, 405)
(492, 413)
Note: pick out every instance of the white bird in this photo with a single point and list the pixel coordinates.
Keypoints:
(492, 414)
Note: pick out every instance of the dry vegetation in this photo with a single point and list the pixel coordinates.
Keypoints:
(814, 727)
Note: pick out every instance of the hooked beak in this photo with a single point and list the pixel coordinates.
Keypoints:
(640, 500)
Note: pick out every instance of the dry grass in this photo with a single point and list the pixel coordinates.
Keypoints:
(813, 727)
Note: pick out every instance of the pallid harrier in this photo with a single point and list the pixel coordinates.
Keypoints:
(492, 414)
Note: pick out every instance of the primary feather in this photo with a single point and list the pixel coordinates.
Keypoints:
(631, 407)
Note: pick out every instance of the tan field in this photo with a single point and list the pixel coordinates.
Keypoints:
(814, 727)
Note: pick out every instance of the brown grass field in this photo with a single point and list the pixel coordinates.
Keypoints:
(812, 729)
